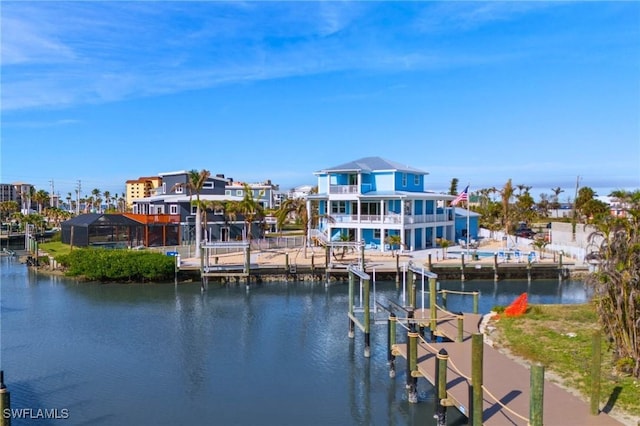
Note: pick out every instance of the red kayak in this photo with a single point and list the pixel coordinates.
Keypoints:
(518, 307)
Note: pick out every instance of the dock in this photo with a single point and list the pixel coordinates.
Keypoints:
(448, 350)
(506, 383)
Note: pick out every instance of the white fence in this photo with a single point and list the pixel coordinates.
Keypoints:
(562, 240)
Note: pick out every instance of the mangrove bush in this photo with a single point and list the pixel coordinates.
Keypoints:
(118, 265)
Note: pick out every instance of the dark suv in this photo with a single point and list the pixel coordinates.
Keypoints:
(525, 233)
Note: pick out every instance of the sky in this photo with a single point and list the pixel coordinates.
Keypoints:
(547, 94)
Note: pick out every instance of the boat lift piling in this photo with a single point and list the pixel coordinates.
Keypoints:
(353, 320)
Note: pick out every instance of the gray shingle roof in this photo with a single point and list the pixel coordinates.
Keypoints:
(103, 219)
(369, 164)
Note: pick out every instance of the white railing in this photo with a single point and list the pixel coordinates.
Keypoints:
(318, 235)
(344, 189)
(393, 218)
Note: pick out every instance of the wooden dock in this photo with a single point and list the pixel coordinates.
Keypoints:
(506, 383)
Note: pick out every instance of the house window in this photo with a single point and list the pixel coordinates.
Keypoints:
(173, 209)
(416, 180)
(404, 179)
(194, 209)
(339, 207)
(407, 207)
(179, 189)
(164, 188)
(376, 234)
(207, 185)
(218, 212)
(239, 192)
(227, 192)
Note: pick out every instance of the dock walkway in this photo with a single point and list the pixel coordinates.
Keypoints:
(506, 393)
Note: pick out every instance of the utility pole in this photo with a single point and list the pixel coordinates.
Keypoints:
(78, 189)
(52, 196)
(575, 211)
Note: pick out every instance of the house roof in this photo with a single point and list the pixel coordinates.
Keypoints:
(370, 164)
(181, 198)
(463, 212)
(392, 194)
(101, 219)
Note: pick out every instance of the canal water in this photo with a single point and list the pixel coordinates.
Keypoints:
(157, 354)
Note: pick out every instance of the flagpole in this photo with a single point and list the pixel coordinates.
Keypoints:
(468, 228)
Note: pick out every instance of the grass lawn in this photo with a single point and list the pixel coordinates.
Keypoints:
(560, 337)
(55, 248)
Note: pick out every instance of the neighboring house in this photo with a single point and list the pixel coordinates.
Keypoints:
(462, 216)
(264, 193)
(564, 210)
(8, 192)
(102, 230)
(370, 199)
(142, 187)
(300, 191)
(173, 198)
(24, 194)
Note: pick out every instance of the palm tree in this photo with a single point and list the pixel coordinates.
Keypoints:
(251, 209)
(506, 193)
(96, 200)
(7, 208)
(40, 197)
(445, 245)
(555, 202)
(394, 241)
(453, 187)
(539, 244)
(617, 282)
(193, 185)
(107, 198)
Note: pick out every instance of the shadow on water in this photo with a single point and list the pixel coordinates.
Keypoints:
(29, 408)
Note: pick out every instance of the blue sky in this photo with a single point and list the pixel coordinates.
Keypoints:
(540, 93)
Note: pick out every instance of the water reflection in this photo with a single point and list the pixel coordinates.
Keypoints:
(166, 354)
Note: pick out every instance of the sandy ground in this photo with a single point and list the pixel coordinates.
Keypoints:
(298, 256)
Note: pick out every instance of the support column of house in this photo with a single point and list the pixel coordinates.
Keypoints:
(403, 243)
(359, 230)
(307, 243)
(382, 229)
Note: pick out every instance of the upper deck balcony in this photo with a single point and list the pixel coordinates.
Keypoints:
(344, 189)
(391, 218)
(350, 189)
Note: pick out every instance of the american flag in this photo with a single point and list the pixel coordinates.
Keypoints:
(461, 197)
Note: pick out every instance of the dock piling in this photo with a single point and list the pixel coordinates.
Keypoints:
(476, 409)
(441, 387)
(596, 360)
(367, 319)
(536, 395)
(391, 340)
(351, 302)
(5, 402)
(412, 365)
(432, 307)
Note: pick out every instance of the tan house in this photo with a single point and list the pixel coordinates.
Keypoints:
(141, 188)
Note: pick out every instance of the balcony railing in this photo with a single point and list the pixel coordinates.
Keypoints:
(389, 218)
(343, 189)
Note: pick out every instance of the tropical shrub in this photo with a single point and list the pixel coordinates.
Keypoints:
(118, 265)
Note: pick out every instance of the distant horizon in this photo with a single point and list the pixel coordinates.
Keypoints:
(536, 92)
(567, 195)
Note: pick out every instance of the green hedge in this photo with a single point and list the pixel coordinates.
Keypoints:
(118, 265)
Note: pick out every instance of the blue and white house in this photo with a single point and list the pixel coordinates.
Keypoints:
(370, 199)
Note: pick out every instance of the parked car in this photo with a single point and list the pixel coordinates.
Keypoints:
(525, 233)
